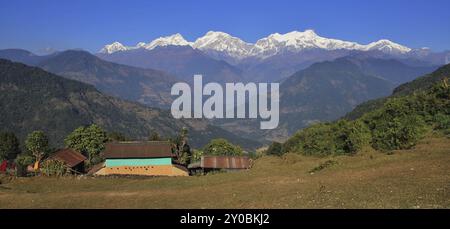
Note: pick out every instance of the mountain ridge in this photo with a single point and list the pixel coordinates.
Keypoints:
(33, 99)
(265, 47)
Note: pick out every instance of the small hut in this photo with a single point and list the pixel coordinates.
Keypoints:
(71, 158)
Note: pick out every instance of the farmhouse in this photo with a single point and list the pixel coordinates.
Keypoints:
(140, 158)
(71, 158)
(224, 163)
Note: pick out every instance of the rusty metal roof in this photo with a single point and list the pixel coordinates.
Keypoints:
(152, 149)
(69, 156)
(96, 168)
(225, 162)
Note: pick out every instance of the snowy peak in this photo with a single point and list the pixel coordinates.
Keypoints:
(223, 45)
(387, 46)
(114, 47)
(223, 42)
(175, 39)
(296, 41)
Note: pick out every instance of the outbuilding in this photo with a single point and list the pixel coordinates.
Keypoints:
(72, 159)
(220, 163)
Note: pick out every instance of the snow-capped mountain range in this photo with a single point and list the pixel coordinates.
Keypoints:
(295, 41)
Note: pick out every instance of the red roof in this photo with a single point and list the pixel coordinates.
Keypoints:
(69, 156)
(152, 149)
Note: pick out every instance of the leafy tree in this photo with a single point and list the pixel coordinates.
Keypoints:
(9, 146)
(22, 161)
(37, 144)
(196, 155)
(181, 147)
(89, 140)
(220, 147)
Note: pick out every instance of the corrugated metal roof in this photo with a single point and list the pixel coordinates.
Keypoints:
(69, 156)
(96, 168)
(138, 150)
(225, 162)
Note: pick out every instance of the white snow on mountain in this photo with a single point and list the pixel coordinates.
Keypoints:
(223, 42)
(273, 44)
(387, 46)
(175, 39)
(114, 47)
(297, 41)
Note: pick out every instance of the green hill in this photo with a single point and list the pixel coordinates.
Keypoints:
(33, 99)
(396, 122)
(419, 84)
(324, 92)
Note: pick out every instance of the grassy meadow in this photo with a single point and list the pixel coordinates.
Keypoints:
(415, 178)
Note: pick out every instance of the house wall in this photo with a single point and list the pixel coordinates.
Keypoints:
(151, 170)
(138, 162)
(142, 166)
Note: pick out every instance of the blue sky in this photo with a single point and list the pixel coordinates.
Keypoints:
(63, 24)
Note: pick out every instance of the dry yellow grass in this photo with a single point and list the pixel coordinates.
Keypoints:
(416, 178)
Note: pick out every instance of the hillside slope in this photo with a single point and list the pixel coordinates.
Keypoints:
(147, 86)
(397, 123)
(33, 99)
(419, 84)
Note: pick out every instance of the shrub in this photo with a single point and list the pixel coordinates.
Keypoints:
(316, 140)
(196, 155)
(275, 149)
(22, 161)
(53, 168)
(220, 147)
(351, 136)
(442, 121)
(342, 137)
(398, 132)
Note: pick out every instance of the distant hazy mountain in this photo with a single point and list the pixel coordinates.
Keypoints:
(33, 99)
(147, 86)
(328, 90)
(419, 84)
(272, 58)
(392, 70)
(278, 67)
(182, 61)
(22, 56)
